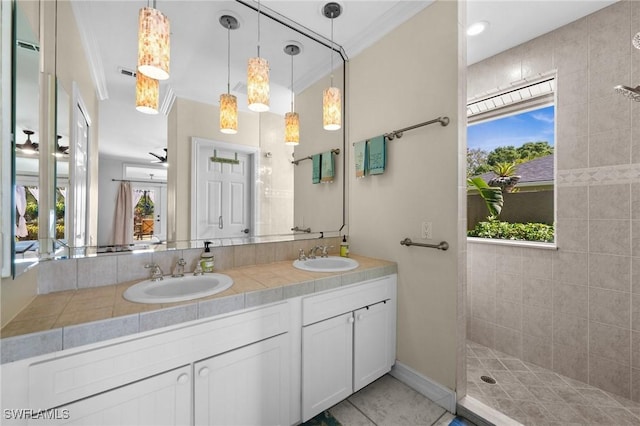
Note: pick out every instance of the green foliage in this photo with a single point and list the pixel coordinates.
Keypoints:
(513, 231)
(479, 161)
(504, 169)
(492, 196)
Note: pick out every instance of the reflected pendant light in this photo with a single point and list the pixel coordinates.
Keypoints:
(258, 79)
(228, 102)
(331, 98)
(153, 43)
(147, 94)
(291, 119)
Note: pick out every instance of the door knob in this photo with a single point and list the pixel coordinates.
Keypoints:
(245, 230)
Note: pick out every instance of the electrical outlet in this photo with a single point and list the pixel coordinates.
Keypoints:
(427, 230)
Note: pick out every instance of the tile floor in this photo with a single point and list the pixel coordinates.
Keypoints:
(389, 402)
(534, 395)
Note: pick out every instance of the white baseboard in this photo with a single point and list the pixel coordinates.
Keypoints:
(441, 395)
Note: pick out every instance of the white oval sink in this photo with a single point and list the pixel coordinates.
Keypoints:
(326, 264)
(178, 289)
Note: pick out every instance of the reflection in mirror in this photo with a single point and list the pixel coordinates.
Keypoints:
(26, 128)
(163, 198)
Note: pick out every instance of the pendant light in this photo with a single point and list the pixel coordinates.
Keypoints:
(331, 98)
(258, 79)
(292, 119)
(228, 102)
(153, 43)
(147, 94)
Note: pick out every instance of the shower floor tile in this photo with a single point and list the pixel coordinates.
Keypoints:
(533, 395)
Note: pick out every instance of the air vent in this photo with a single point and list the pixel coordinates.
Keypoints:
(28, 46)
(240, 87)
(127, 72)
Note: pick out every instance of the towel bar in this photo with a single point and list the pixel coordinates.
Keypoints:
(442, 246)
(335, 151)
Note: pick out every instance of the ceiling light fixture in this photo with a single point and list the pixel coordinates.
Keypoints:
(147, 94)
(636, 41)
(258, 79)
(28, 147)
(331, 98)
(477, 28)
(228, 102)
(153, 43)
(61, 151)
(292, 119)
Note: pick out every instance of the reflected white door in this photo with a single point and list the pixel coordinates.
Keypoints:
(222, 194)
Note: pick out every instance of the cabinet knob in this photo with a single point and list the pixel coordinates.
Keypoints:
(204, 372)
(360, 317)
(183, 378)
(351, 320)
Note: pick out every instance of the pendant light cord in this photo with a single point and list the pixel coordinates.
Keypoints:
(331, 70)
(292, 110)
(228, 57)
(258, 28)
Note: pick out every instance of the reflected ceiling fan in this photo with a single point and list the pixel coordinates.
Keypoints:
(162, 160)
(28, 147)
(61, 151)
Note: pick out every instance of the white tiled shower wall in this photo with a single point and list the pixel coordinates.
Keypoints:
(575, 310)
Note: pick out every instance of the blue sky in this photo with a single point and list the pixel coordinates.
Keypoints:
(515, 130)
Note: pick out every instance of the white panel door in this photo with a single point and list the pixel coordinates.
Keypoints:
(327, 364)
(246, 386)
(374, 335)
(160, 400)
(223, 194)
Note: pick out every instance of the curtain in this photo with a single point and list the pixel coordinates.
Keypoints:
(63, 192)
(137, 194)
(35, 191)
(123, 221)
(21, 207)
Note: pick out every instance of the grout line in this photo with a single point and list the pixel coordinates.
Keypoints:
(441, 416)
(361, 412)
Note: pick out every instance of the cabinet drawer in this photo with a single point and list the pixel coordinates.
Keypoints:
(337, 302)
(69, 378)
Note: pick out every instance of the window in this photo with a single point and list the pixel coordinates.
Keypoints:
(510, 164)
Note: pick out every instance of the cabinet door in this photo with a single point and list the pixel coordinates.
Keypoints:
(374, 343)
(164, 399)
(327, 364)
(246, 386)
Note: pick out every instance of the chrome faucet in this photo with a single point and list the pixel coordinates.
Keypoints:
(178, 271)
(313, 251)
(325, 251)
(156, 272)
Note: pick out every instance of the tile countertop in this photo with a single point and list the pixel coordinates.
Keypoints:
(62, 320)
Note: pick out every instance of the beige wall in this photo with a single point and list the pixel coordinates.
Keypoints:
(411, 76)
(575, 310)
(318, 206)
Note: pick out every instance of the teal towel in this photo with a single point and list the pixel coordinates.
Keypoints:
(327, 171)
(316, 168)
(362, 159)
(377, 155)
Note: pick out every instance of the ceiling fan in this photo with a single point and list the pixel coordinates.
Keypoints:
(28, 147)
(162, 160)
(61, 151)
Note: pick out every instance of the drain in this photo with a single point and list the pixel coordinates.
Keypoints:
(488, 379)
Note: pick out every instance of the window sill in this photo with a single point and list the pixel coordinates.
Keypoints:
(514, 243)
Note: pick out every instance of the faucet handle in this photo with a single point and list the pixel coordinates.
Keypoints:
(182, 262)
(150, 265)
(325, 251)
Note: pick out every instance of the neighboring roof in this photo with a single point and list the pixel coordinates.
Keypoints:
(537, 170)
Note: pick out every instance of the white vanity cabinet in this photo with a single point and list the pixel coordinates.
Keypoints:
(160, 400)
(247, 386)
(348, 341)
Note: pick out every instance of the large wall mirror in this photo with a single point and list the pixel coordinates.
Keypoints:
(153, 156)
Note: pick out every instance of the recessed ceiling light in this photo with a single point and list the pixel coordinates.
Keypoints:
(477, 28)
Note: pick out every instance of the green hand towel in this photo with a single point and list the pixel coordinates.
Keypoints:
(315, 177)
(327, 171)
(362, 159)
(377, 155)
